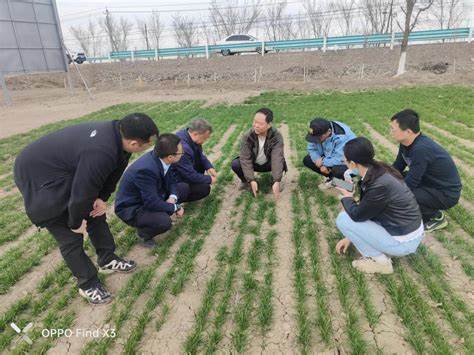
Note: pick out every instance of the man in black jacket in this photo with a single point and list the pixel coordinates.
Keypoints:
(432, 175)
(65, 178)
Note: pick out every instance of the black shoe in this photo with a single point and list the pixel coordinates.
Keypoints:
(118, 265)
(148, 243)
(97, 294)
(436, 223)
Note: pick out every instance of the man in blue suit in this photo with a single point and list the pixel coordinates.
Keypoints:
(148, 193)
(194, 171)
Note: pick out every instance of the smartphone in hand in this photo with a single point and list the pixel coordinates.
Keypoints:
(342, 184)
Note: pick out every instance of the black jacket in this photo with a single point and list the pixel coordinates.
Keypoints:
(387, 201)
(145, 186)
(430, 165)
(68, 170)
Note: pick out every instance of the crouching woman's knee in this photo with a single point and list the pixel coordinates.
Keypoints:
(343, 221)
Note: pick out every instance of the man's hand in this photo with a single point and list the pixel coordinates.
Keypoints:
(212, 172)
(342, 245)
(324, 169)
(180, 212)
(319, 162)
(344, 192)
(276, 190)
(171, 200)
(82, 229)
(213, 179)
(254, 186)
(99, 208)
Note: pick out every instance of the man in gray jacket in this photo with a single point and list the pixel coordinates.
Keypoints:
(261, 150)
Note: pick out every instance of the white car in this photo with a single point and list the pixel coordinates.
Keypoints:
(240, 39)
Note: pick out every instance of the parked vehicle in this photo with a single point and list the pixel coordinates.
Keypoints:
(240, 39)
(79, 58)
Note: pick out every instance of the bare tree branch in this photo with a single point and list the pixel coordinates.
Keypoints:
(185, 30)
(235, 17)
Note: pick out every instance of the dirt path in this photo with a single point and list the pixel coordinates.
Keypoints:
(32, 110)
(465, 142)
(95, 317)
(184, 307)
(281, 338)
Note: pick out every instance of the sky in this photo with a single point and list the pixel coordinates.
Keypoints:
(78, 13)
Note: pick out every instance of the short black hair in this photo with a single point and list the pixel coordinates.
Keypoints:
(407, 119)
(138, 126)
(267, 113)
(167, 144)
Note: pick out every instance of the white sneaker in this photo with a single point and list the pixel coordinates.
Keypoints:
(371, 266)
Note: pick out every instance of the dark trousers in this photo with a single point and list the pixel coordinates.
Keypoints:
(265, 168)
(192, 192)
(71, 246)
(432, 200)
(336, 171)
(150, 224)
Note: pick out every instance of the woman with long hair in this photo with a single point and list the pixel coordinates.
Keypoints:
(386, 221)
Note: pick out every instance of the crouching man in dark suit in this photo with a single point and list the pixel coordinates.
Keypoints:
(65, 178)
(194, 171)
(148, 193)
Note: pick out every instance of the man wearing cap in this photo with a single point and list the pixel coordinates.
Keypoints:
(326, 140)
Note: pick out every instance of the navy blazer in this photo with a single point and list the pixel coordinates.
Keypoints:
(145, 186)
(193, 163)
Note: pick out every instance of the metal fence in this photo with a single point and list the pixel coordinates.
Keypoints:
(318, 43)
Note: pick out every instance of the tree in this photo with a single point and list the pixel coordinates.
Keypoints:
(95, 38)
(410, 23)
(378, 15)
(319, 21)
(346, 8)
(88, 37)
(234, 17)
(143, 28)
(274, 20)
(82, 36)
(117, 31)
(448, 13)
(156, 29)
(185, 30)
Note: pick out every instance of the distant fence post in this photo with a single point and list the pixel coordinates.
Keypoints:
(133, 56)
(207, 50)
(110, 57)
(325, 41)
(6, 94)
(392, 40)
(156, 53)
(469, 39)
(263, 48)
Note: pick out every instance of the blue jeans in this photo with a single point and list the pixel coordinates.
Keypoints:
(371, 239)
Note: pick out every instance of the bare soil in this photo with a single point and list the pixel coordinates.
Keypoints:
(44, 98)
